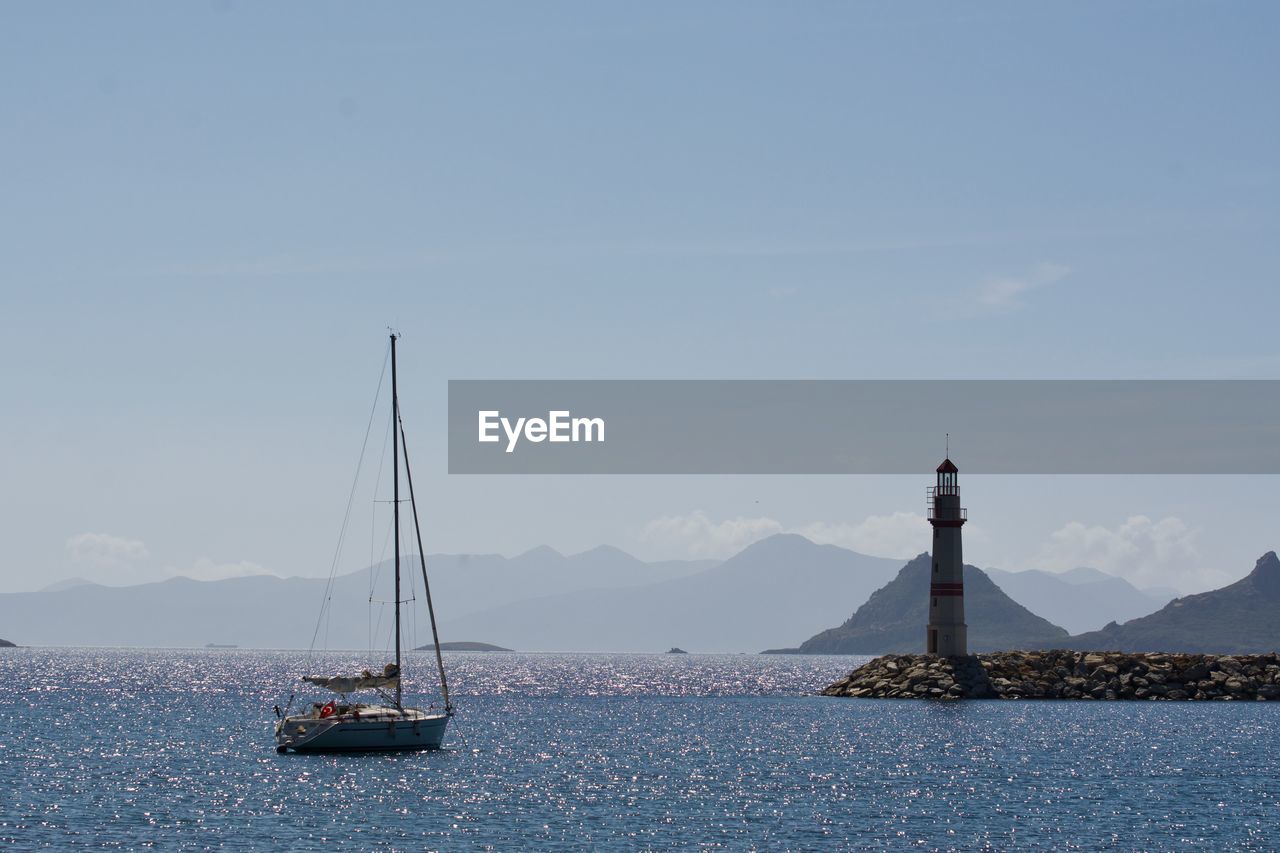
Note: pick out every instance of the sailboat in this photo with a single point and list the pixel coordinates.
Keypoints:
(343, 725)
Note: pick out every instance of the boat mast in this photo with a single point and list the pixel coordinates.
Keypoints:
(426, 584)
(395, 501)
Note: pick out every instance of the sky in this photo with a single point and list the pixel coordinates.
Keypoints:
(212, 212)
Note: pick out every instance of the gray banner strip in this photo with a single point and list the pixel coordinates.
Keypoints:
(864, 426)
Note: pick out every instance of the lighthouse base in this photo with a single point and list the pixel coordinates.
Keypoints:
(947, 640)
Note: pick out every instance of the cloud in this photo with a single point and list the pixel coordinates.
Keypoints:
(696, 535)
(1006, 293)
(1145, 552)
(117, 560)
(205, 569)
(901, 534)
(103, 549)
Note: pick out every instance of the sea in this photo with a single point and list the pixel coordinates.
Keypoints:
(173, 749)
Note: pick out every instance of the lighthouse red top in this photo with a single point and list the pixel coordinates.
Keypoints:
(948, 467)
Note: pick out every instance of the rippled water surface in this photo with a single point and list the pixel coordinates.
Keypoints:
(121, 748)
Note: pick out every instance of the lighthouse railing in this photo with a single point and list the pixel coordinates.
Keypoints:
(937, 513)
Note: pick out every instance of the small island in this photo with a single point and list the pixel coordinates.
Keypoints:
(463, 646)
(5, 644)
(1062, 674)
(676, 650)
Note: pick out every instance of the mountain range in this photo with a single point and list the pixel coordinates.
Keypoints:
(1080, 599)
(265, 611)
(1240, 618)
(603, 600)
(599, 600)
(893, 619)
(778, 589)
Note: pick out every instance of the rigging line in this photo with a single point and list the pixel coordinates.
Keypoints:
(373, 533)
(422, 558)
(457, 728)
(373, 520)
(378, 627)
(342, 532)
(382, 558)
(413, 611)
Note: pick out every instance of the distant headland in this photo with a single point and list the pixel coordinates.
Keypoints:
(1062, 674)
(463, 646)
(5, 644)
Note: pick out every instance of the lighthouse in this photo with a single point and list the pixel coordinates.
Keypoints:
(946, 633)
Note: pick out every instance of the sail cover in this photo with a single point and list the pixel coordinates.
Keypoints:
(351, 683)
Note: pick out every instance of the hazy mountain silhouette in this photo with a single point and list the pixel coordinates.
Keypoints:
(778, 587)
(893, 619)
(1236, 619)
(265, 611)
(1080, 599)
(467, 583)
(604, 599)
(67, 583)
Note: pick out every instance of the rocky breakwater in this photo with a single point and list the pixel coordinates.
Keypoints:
(1061, 674)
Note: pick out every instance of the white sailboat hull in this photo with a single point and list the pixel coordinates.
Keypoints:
(372, 730)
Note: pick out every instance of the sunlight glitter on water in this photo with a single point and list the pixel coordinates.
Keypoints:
(126, 748)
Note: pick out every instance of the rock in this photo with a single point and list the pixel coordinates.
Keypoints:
(1066, 675)
(463, 646)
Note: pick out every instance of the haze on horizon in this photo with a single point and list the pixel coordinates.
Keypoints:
(218, 211)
